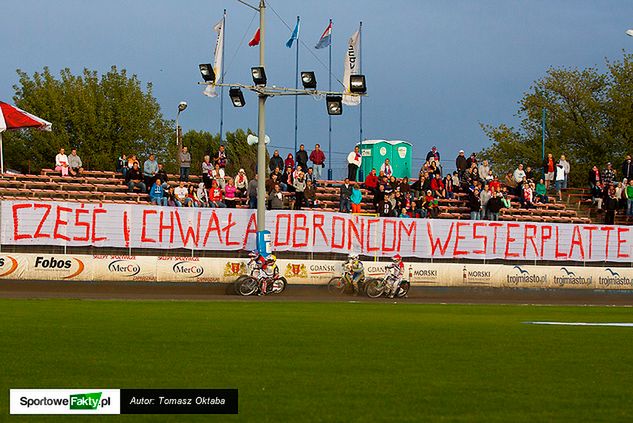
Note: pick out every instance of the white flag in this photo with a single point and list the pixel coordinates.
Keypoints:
(217, 60)
(352, 67)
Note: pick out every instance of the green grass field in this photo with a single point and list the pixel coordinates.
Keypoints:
(329, 361)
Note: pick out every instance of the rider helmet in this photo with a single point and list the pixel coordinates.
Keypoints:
(353, 256)
(397, 258)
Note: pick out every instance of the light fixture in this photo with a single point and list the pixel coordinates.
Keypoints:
(182, 106)
(259, 75)
(629, 32)
(206, 70)
(334, 104)
(237, 98)
(357, 84)
(308, 80)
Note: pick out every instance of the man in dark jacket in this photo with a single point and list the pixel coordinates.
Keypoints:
(134, 179)
(610, 206)
(433, 154)
(495, 205)
(275, 161)
(302, 158)
(627, 168)
(461, 163)
(346, 194)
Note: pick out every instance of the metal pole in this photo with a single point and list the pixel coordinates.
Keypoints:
(1, 156)
(360, 123)
(543, 133)
(297, 87)
(261, 133)
(222, 80)
(329, 170)
(177, 138)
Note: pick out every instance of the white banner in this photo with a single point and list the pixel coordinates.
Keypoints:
(352, 67)
(147, 226)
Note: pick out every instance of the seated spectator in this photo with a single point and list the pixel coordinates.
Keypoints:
(356, 198)
(386, 168)
(134, 179)
(510, 182)
(230, 192)
(276, 198)
(433, 169)
(150, 167)
(74, 163)
(287, 180)
(540, 192)
(437, 186)
(207, 169)
(215, 195)
(121, 165)
(161, 176)
(275, 161)
(404, 186)
(529, 174)
(506, 200)
(494, 184)
(371, 182)
(379, 195)
(528, 195)
(218, 175)
(393, 182)
(157, 194)
(277, 171)
(61, 162)
(404, 213)
(171, 197)
(474, 203)
(300, 186)
(131, 160)
(416, 187)
(298, 169)
(202, 195)
(495, 205)
(484, 196)
(416, 211)
(345, 197)
(241, 183)
(310, 176)
(181, 193)
(290, 162)
(271, 182)
(310, 194)
(431, 204)
(484, 171)
(385, 207)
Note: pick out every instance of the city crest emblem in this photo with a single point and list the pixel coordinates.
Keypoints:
(234, 269)
(296, 271)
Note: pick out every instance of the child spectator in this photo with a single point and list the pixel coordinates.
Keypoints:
(229, 194)
(431, 204)
(121, 165)
(356, 198)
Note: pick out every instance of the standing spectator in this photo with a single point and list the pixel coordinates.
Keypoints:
(528, 195)
(184, 159)
(275, 162)
(220, 158)
(433, 154)
(519, 177)
(317, 157)
(495, 205)
(74, 163)
(276, 198)
(181, 193)
(448, 186)
(121, 165)
(559, 180)
(252, 193)
(354, 160)
(302, 158)
(548, 170)
(345, 195)
(529, 175)
(385, 207)
(608, 175)
(290, 162)
(386, 168)
(150, 167)
(215, 196)
(61, 162)
(566, 168)
(157, 194)
(162, 176)
(484, 171)
(203, 195)
(461, 164)
(207, 168)
(594, 177)
(628, 194)
(495, 185)
(134, 179)
(356, 198)
(627, 168)
(379, 195)
(474, 203)
(287, 180)
(300, 186)
(218, 175)
(484, 197)
(610, 207)
(241, 183)
(472, 160)
(229, 194)
(310, 194)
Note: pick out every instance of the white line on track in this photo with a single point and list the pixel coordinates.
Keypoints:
(581, 324)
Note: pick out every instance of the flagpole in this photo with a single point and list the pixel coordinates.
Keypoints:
(222, 80)
(360, 60)
(329, 170)
(296, 88)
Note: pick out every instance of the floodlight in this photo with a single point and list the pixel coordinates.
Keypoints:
(182, 106)
(357, 84)
(259, 75)
(206, 70)
(308, 79)
(334, 104)
(237, 98)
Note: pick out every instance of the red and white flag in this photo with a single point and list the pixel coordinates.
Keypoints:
(255, 40)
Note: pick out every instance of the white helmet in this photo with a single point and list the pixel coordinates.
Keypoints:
(353, 256)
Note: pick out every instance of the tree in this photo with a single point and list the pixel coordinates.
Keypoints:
(589, 119)
(102, 116)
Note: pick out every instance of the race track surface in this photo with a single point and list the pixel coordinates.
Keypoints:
(221, 292)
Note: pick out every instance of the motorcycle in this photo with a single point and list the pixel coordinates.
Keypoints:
(340, 285)
(375, 288)
(253, 281)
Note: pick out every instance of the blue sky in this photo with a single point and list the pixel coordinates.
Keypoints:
(435, 69)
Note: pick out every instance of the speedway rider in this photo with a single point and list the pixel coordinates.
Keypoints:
(355, 267)
(265, 267)
(394, 273)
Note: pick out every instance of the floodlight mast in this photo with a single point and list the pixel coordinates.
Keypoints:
(263, 92)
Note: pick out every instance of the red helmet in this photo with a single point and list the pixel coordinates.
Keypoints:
(397, 258)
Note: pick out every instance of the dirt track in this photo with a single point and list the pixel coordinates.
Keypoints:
(217, 292)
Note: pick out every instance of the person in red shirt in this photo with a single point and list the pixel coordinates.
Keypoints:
(215, 196)
(317, 157)
(548, 169)
(371, 181)
(437, 186)
(495, 185)
(290, 161)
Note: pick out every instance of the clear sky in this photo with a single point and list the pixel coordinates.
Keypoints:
(435, 69)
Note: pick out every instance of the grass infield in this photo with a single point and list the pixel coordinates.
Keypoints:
(328, 361)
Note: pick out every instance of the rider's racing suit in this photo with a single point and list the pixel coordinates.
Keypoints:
(394, 273)
(355, 267)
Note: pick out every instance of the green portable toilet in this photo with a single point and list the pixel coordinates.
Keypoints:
(375, 152)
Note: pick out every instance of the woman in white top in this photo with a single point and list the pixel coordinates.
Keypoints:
(61, 162)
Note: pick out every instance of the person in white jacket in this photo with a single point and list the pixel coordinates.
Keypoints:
(354, 160)
(61, 162)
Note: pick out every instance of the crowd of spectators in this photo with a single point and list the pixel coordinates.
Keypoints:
(612, 193)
